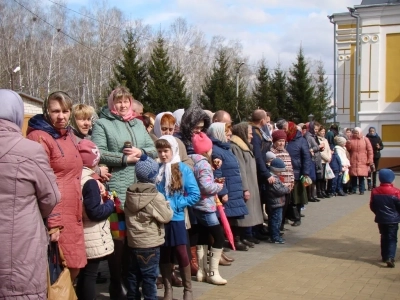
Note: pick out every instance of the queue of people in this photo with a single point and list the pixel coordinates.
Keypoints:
(142, 192)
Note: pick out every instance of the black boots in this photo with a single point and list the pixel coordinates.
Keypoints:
(239, 245)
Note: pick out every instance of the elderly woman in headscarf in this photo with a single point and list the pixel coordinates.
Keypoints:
(231, 195)
(28, 194)
(361, 158)
(121, 139)
(299, 152)
(51, 130)
(316, 161)
(242, 134)
(377, 146)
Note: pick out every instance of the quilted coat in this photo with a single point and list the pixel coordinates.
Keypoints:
(300, 154)
(385, 203)
(361, 155)
(67, 166)
(110, 133)
(248, 173)
(235, 207)
(28, 193)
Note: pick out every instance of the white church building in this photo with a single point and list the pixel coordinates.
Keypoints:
(373, 99)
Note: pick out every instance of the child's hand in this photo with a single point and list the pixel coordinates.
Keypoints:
(217, 163)
(224, 199)
(246, 195)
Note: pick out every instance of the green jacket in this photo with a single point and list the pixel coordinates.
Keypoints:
(110, 133)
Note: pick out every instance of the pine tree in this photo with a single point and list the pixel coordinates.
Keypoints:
(279, 93)
(263, 91)
(131, 71)
(165, 86)
(301, 90)
(322, 95)
(220, 87)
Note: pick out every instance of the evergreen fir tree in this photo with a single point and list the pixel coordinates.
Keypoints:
(301, 91)
(165, 86)
(263, 91)
(279, 93)
(220, 87)
(322, 95)
(130, 71)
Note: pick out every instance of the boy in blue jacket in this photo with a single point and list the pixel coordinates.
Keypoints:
(336, 166)
(385, 204)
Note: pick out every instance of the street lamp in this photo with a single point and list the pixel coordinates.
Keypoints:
(310, 117)
(323, 120)
(12, 72)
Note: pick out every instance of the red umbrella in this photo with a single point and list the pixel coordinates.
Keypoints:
(225, 223)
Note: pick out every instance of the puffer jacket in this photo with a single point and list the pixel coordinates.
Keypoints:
(146, 211)
(110, 133)
(341, 152)
(300, 155)
(205, 179)
(67, 166)
(96, 227)
(235, 207)
(361, 155)
(180, 200)
(28, 193)
(276, 193)
(316, 155)
(385, 204)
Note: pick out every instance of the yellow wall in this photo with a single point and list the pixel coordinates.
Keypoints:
(25, 124)
(347, 26)
(390, 133)
(393, 67)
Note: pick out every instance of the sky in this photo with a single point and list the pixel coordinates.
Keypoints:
(269, 29)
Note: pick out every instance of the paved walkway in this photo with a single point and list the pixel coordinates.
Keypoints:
(334, 254)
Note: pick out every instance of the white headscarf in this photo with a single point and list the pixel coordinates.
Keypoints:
(165, 168)
(217, 131)
(157, 123)
(178, 116)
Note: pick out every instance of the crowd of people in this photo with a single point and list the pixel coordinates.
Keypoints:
(145, 191)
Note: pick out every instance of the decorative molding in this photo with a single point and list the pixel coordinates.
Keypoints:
(366, 38)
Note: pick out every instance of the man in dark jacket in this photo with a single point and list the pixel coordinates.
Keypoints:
(385, 204)
(260, 148)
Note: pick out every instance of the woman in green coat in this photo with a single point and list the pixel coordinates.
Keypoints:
(122, 139)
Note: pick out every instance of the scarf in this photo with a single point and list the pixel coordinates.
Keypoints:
(129, 116)
(157, 123)
(165, 169)
(292, 131)
(217, 131)
(369, 134)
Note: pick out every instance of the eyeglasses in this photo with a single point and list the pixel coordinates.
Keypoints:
(167, 129)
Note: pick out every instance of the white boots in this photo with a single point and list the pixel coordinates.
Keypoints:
(202, 261)
(210, 275)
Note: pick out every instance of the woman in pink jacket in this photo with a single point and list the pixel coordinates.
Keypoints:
(51, 130)
(28, 193)
(361, 158)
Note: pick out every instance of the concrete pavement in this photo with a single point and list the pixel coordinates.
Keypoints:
(334, 254)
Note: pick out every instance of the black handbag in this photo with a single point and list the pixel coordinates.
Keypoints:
(55, 267)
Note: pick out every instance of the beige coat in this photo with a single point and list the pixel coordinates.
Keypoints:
(146, 212)
(28, 193)
(98, 238)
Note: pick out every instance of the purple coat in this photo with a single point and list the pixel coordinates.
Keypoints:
(28, 193)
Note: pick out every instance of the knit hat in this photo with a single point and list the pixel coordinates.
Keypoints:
(89, 152)
(278, 135)
(270, 156)
(277, 165)
(339, 140)
(386, 176)
(146, 169)
(201, 143)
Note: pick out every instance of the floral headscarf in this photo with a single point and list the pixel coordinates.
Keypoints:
(291, 132)
(129, 116)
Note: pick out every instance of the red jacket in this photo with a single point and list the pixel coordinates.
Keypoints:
(67, 166)
(385, 203)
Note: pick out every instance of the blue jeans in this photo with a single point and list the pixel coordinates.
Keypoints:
(143, 270)
(337, 183)
(361, 184)
(388, 240)
(274, 222)
(206, 219)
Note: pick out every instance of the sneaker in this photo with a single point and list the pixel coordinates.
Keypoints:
(280, 241)
(390, 263)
